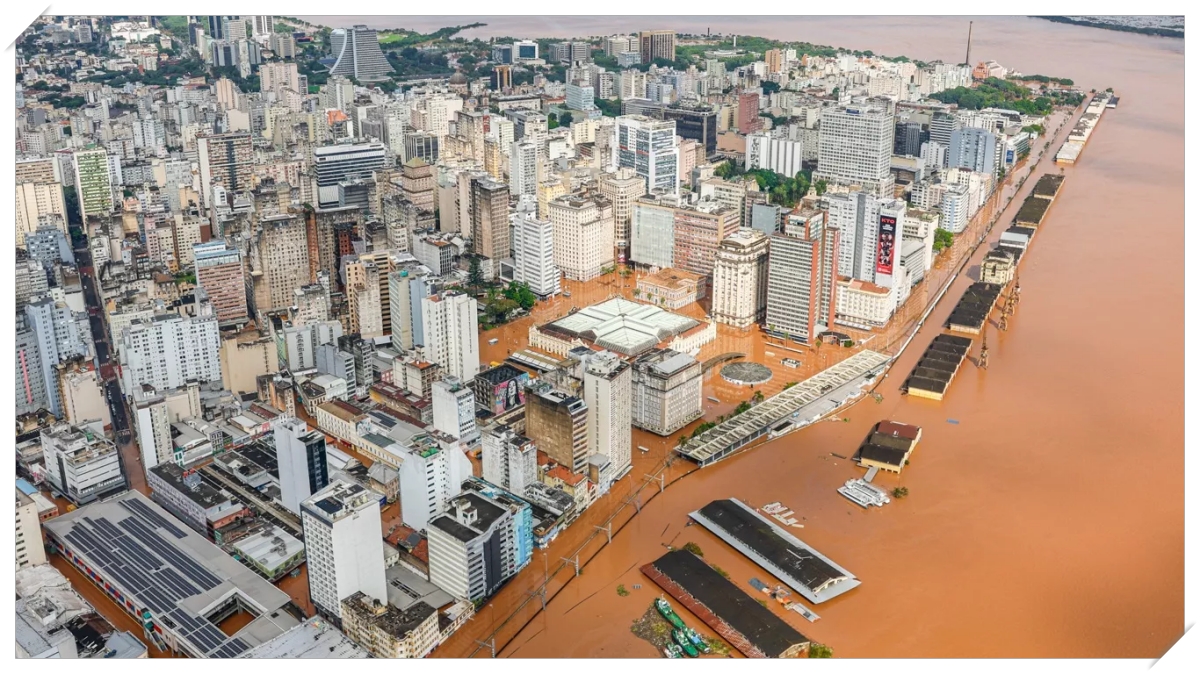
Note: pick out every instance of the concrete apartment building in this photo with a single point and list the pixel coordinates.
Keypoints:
(740, 279)
(81, 465)
(479, 542)
(431, 474)
(648, 146)
(454, 410)
(509, 459)
(343, 545)
(451, 325)
(583, 235)
(801, 278)
(622, 188)
(607, 387)
(303, 466)
(558, 424)
(30, 551)
(533, 255)
(667, 387)
(489, 218)
(220, 272)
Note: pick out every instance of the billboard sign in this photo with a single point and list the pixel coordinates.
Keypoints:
(886, 251)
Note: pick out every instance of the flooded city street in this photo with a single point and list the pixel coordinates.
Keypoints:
(1042, 485)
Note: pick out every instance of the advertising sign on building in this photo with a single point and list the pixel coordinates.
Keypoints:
(887, 245)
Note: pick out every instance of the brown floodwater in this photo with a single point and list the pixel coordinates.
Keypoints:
(1048, 522)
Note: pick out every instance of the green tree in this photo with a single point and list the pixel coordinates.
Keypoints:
(693, 548)
(900, 492)
(474, 273)
(566, 119)
(552, 121)
(821, 187)
(942, 239)
(816, 650)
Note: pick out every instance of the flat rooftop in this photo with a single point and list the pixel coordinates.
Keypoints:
(1048, 185)
(765, 631)
(315, 638)
(623, 326)
(158, 565)
(788, 558)
(1033, 210)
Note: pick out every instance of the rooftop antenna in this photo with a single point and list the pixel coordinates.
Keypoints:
(970, 27)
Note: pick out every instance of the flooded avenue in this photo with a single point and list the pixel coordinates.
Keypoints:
(1046, 522)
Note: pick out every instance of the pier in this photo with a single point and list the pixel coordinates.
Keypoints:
(816, 577)
(802, 404)
(937, 367)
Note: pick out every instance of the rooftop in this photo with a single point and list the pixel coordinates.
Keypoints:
(393, 621)
(315, 638)
(269, 547)
(339, 500)
(197, 490)
(620, 325)
(162, 567)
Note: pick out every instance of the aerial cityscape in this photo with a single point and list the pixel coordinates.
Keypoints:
(598, 337)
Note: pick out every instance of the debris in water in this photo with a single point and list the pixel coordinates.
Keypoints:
(952, 421)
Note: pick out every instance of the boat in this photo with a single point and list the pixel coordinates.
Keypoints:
(697, 640)
(684, 643)
(667, 612)
(673, 651)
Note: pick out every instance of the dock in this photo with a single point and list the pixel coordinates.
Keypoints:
(747, 625)
(1073, 147)
(938, 366)
(816, 577)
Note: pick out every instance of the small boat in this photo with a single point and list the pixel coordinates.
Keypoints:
(673, 651)
(667, 612)
(697, 640)
(685, 643)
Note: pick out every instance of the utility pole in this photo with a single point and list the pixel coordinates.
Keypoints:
(983, 352)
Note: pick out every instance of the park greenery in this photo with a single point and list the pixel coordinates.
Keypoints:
(942, 239)
(782, 190)
(1006, 95)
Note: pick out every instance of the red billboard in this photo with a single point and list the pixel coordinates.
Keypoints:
(886, 251)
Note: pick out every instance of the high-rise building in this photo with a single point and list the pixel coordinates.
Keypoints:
(406, 288)
(648, 146)
(93, 182)
(343, 546)
(303, 467)
(479, 542)
(955, 208)
(509, 459)
(489, 218)
(871, 235)
(227, 160)
(856, 147)
(667, 388)
(583, 235)
(220, 273)
(338, 165)
(36, 201)
(278, 77)
(154, 412)
(657, 44)
(607, 389)
(431, 474)
(31, 386)
(774, 60)
(533, 254)
(942, 127)
(283, 260)
(622, 188)
(358, 54)
(557, 422)
(694, 122)
(454, 410)
(30, 549)
(976, 150)
(580, 96)
(417, 183)
(61, 335)
(366, 304)
(739, 287)
(81, 465)
(909, 136)
(169, 350)
(451, 325)
(748, 119)
(523, 171)
(780, 155)
(801, 281)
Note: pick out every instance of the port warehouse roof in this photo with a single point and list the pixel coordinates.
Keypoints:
(938, 364)
(759, 628)
(889, 443)
(716, 443)
(974, 306)
(1032, 211)
(154, 562)
(788, 558)
(1048, 185)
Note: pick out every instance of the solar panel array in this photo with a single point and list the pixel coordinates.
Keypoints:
(137, 555)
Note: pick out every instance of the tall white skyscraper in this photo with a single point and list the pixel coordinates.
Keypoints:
(452, 333)
(872, 235)
(523, 168)
(783, 156)
(648, 146)
(168, 350)
(454, 409)
(509, 459)
(343, 543)
(358, 54)
(431, 474)
(303, 469)
(856, 147)
(607, 389)
(533, 253)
